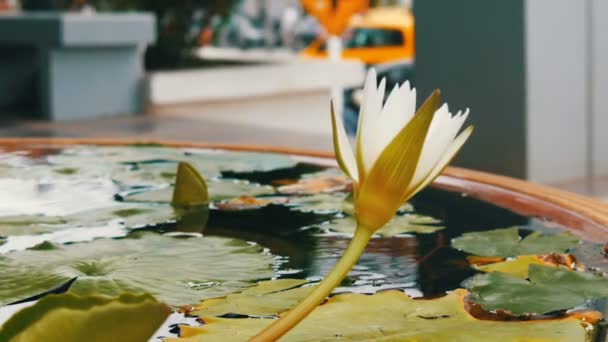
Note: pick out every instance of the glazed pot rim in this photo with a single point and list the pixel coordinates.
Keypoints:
(584, 216)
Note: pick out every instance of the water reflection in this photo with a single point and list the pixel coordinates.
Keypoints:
(386, 261)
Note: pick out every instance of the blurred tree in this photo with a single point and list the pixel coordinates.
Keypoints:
(179, 23)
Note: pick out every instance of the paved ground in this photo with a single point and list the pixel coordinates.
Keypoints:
(162, 126)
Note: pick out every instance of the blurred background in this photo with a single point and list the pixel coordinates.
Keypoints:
(259, 72)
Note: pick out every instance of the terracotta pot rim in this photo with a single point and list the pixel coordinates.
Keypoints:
(583, 215)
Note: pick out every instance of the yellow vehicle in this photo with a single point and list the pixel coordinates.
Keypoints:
(382, 35)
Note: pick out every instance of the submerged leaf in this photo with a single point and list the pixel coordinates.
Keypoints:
(267, 298)
(401, 224)
(392, 316)
(177, 270)
(190, 189)
(549, 288)
(507, 243)
(68, 317)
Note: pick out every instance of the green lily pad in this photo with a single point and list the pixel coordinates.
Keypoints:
(148, 174)
(392, 316)
(322, 203)
(54, 198)
(519, 265)
(218, 190)
(399, 225)
(29, 224)
(507, 243)
(209, 162)
(25, 232)
(68, 317)
(177, 270)
(267, 298)
(549, 288)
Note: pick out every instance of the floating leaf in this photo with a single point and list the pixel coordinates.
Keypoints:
(68, 317)
(54, 198)
(548, 289)
(160, 173)
(267, 298)
(519, 266)
(190, 189)
(84, 226)
(130, 216)
(318, 185)
(507, 243)
(209, 162)
(218, 190)
(178, 270)
(322, 203)
(392, 316)
(29, 224)
(398, 225)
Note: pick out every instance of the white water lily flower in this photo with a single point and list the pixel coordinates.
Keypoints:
(398, 154)
(398, 151)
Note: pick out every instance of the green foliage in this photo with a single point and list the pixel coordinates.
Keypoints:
(507, 243)
(176, 23)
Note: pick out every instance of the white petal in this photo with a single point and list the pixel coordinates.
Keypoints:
(398, 110)
(368, 116)
(445, 159)
(442, 132)
(342, 148)
(372, 127)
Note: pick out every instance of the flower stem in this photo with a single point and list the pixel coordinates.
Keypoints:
(332, 280)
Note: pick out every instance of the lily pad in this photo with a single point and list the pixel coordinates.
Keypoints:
(209, 162)
(56, 198)
(218, 190)
(519, 266)
(27, 231)
(399, 225)
(29, 224)
(322, 203)
(392, 316)
(177, 270)
(147, 174)
(68, 317)
(267, 298)
(548, 289)
(507, 243)
(318, 185)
